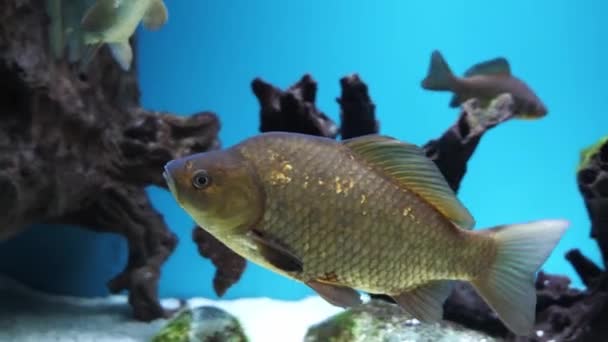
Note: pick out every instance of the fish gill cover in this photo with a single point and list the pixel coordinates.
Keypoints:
(80, 150)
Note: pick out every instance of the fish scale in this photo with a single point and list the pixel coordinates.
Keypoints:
(377, 253)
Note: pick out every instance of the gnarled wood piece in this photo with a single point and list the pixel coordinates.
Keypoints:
(229, 265)
(292, 110)
(357, 111)
(452, 151)
(78, 149)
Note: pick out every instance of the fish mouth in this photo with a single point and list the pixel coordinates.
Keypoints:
(169, 180)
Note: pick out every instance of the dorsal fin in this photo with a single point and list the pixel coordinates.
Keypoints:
(156, 15)
(408, 165)
(497, 66)
(100, 16)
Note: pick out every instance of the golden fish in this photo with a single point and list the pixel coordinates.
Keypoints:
(484, 81)
(370, 213)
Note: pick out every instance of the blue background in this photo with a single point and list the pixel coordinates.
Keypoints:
(210, 51)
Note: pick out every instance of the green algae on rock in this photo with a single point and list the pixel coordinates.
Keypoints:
(589, 152)
(202, 324)
(378, 321)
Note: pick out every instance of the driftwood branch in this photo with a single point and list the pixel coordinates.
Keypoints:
(452, 151)
(229, 265)
(357, 111)
(292, 110)
(78, 149)
(582, 315)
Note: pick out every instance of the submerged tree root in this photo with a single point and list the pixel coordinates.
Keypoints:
(292, 110)
(78, 149)
(571, 315)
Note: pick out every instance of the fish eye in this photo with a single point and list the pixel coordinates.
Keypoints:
(201, 179)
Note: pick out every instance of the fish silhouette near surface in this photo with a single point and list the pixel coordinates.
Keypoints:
(113, 22)
(370, 213)
(484, 81)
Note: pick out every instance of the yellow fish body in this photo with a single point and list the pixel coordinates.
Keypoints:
(369, 213)
(113, 22)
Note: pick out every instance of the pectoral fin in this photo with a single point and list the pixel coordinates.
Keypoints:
(276, 253)
(156, 15)
(122, 53)
(336, 295)
(425, 302)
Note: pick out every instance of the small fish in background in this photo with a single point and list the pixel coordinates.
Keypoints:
(113, 22)
(484, 81)
(370, 213)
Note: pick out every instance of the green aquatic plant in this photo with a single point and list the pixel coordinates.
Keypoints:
(177, 330)
(202, 324)
(342, 328)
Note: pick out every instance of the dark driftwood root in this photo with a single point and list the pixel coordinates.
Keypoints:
(78, 149)
(565, 314)
(292, 110)
(452, 151)
(229, 265)
(357, 111)
(582, 315)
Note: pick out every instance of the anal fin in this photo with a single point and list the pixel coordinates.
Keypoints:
(336, 295)
(425, 302)
(276, 253)
(122, 53)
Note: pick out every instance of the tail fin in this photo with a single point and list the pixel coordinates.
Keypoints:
(508, 286)
(439, 76)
